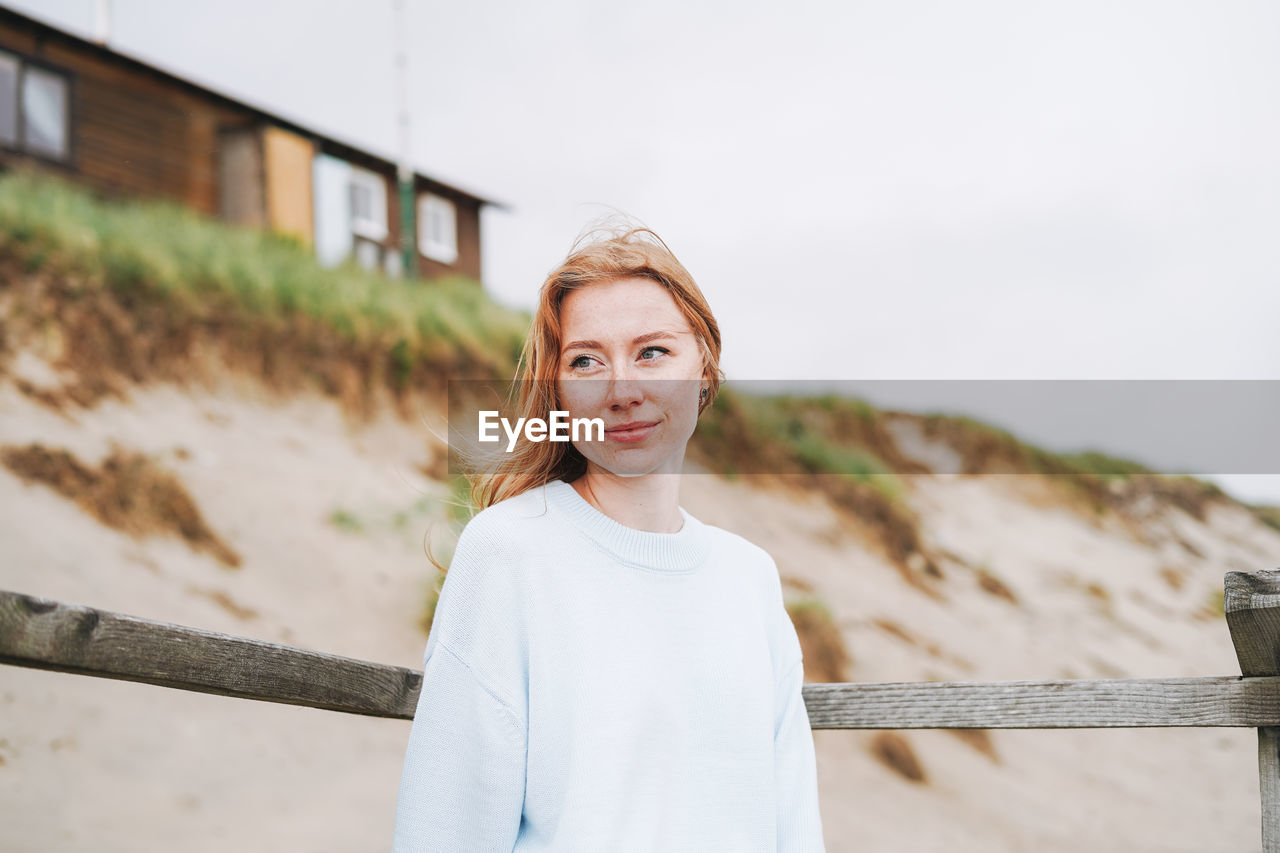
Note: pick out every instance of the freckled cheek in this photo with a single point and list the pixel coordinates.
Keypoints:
(680, 402)
(582, 395)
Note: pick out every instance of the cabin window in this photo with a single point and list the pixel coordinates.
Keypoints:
(9, 73)
(438, 228)
(368, 204)
(34, 109)
(44, 113)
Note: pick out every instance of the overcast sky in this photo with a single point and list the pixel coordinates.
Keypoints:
(864, 191)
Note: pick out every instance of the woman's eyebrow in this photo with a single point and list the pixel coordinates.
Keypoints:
(643, 339)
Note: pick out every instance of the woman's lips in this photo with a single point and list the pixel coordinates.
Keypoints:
(630, 433)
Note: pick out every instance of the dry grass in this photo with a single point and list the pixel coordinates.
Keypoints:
(831, 447)
(1268, 515)
(128, 492)
(844, 450)
(979, 739)
(894, 751)
(1093, 482)
(1173, 576)
(111, 341)
(826, 659)
(1192, 496)
(893, 629)
(1213, 609)
(930, 647)
(793, 582)
(1101, 598)
(992, 585)
(58, 400)
(225, 601)
(120, 293)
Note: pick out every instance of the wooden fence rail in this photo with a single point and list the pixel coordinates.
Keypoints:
(44, 634)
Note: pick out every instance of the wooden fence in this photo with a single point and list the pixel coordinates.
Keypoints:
(45, 634)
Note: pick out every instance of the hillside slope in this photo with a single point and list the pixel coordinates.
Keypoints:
(185, 471)
(326, 519)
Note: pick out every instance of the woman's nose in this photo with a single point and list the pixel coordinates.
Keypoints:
(623, 388)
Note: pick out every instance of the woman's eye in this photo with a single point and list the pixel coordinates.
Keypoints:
(646, 350)
(579, 362)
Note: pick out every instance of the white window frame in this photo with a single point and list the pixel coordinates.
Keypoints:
(438, 243)
(368, 255)
(20, 141)
(373, 227)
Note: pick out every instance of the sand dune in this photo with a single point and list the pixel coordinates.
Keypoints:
(327, 518)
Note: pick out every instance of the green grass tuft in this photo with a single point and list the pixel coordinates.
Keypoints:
(346, 521)
(149, 251)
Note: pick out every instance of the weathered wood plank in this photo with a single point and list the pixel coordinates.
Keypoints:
(1069, 704)
(1251, 602)
(50, 635)
(44, 634)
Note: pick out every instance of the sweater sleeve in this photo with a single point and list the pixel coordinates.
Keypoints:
(795, 768)
(462, 787)
(795, 759)
(463, 782)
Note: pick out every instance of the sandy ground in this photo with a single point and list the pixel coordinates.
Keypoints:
(94, 764)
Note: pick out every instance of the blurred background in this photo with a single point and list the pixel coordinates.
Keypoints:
(244, 247)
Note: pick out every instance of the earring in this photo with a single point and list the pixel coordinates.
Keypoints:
(704, 393)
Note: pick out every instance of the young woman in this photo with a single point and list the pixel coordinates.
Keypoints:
(605, 672)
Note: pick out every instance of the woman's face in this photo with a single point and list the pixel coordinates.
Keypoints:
(629, 358)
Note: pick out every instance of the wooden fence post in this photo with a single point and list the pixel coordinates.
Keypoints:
(1251, 602)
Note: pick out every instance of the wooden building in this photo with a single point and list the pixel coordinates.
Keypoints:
(122, 127)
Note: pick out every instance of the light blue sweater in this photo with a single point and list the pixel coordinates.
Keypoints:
(592, 687)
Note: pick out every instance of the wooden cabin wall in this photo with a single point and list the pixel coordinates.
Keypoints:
(468, 262)
(135, 133)
(131, 132)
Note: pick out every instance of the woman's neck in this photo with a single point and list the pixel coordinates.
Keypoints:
(650, 502)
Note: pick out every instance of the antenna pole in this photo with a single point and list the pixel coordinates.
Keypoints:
(404, 167)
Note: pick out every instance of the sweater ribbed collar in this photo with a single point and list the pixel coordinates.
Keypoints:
(682, 551)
